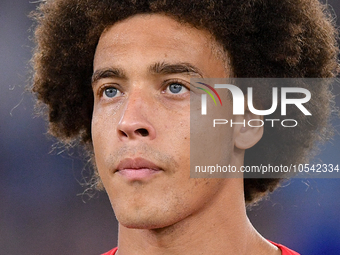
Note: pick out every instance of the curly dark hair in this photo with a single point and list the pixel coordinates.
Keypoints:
(263, 38)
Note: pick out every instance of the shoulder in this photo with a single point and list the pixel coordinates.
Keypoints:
(285, 250)
(112, 252)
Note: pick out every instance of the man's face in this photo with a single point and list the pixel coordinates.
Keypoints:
(141, 119)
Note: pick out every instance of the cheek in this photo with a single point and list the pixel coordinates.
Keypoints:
(178, 144)
(209, 144)
(103, 129)
(173, 128)
(98, 129)
(104, 122)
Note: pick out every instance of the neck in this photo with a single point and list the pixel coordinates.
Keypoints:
(222, 227)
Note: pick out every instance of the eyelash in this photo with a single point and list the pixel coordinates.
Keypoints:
(166, 84)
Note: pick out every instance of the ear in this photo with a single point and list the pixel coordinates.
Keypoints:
(246, 136)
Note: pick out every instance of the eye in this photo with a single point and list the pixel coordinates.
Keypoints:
(111, 92)
(176, 88)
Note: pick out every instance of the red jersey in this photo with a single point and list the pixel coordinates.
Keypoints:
(112, 252)
(284, 250)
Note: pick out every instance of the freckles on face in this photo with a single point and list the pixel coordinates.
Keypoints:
(141, 118)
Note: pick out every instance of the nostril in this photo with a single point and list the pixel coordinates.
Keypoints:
(142, 132)
(123, 133)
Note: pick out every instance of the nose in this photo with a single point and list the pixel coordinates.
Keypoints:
(135, 122)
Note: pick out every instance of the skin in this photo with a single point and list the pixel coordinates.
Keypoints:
(166, 212)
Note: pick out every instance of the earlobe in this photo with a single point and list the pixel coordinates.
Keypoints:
(248, 134)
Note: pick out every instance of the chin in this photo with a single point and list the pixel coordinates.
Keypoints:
(143, 223)
(146, 218)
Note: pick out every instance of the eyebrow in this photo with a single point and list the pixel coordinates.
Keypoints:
(167, 68)
(107, 73)
(157, 68)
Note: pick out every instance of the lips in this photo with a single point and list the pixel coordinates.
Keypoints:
(137, 168)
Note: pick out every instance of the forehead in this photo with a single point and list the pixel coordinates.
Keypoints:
(158, 35)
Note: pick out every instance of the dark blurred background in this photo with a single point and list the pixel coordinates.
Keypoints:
(42, 206)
